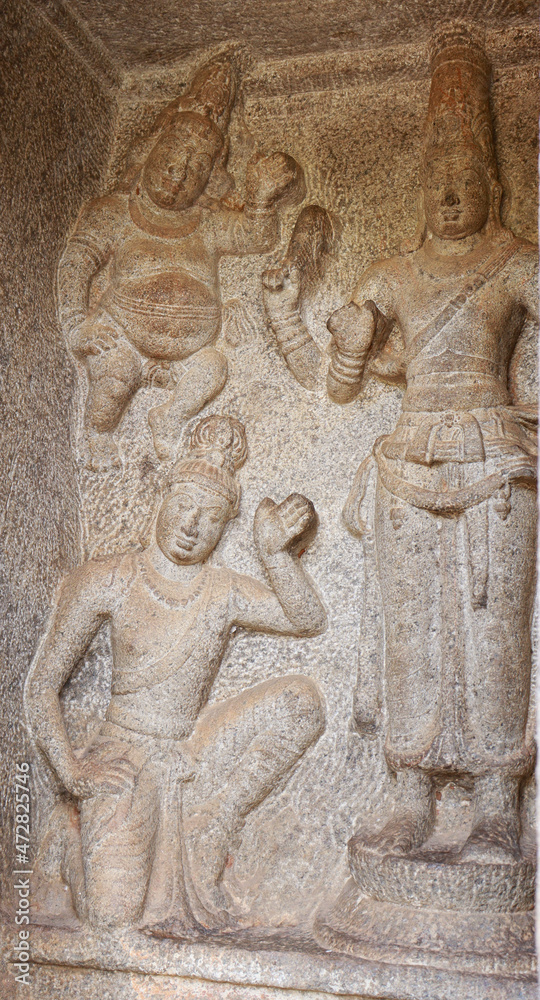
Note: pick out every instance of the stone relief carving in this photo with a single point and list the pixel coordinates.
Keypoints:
(283, 286)
(454, 531)
(156, 243)
(183, 813)
(118, 837)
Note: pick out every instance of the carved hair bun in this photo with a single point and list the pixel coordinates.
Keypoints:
(221, 441)
(217, 448)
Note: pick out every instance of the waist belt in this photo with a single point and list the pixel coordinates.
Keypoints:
(162, 310)
(452, 501)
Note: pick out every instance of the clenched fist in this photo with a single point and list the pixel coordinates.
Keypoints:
(268, 178)
(352, 327)
(283, 527)
(281, 290)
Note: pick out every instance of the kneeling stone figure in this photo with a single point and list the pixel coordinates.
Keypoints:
(119, 839)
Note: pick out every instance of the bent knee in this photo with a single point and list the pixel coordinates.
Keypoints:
(305, 703)
(213, 365)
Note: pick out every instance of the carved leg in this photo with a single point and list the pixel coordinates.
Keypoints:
(498, 646)
(411, 575)
(413, 817)
(247, 745)
(198, 380)
(114, 377)
(117, 835)
(57, 869)
(496, 821)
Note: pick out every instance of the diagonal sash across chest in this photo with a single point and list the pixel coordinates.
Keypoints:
(188, 636)
(491, 268)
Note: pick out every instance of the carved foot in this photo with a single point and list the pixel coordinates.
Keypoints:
(174, 927)
(103, 453)
(494, 840)
(211, 834)
(52, 905)
(401, 835)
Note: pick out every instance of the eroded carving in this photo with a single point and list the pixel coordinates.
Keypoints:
(157, 242)
(284, 287)
(454, 530)
(119, 839)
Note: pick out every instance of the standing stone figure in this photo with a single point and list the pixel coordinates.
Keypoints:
(119, 841)
(138, 283)
(454, 528)
(456, 478)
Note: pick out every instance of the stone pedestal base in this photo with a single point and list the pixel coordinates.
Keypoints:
(489, 944)
(439, 879)
(255, 965)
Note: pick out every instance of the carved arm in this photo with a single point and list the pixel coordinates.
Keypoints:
(280, 530)
(86, 253)
(281, 294)
(255, 229)
(80, 611)
(353, 330)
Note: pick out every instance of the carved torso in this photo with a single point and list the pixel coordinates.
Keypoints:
(164, 290)
(466, 364)
(168, 640)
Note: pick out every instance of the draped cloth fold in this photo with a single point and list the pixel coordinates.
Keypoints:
(133, 844)
(455, 496)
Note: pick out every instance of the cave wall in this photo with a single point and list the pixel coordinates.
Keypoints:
(56, 125)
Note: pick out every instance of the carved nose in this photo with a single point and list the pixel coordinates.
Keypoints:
(192, 521)
(451, 198)
(177, 174)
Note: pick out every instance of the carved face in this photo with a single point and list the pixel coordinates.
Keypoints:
(178, 168)
(456, 198)
(190, 523)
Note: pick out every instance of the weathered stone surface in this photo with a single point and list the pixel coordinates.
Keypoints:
(278, 962)
(57, 125)
(195, 823)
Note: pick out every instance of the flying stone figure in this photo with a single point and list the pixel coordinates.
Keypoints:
(155, 245)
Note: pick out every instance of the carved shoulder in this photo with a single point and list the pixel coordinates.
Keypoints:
(86, 598)
(103, 220)
(528, 255)
(97, 585)
(521, 277)
(380, 282)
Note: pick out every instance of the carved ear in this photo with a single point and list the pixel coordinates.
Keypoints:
(410, 245)
(494, 224)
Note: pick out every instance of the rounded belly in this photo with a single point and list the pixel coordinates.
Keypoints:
(166, 316)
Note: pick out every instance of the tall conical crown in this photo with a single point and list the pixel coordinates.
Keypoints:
(205, 108)
(458, 119)
(209, 98)
(212, 91)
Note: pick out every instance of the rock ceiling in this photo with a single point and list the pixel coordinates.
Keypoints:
(137, 33)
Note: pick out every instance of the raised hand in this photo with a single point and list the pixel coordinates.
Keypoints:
(285, 526)
(281, 290)
(270, 177)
